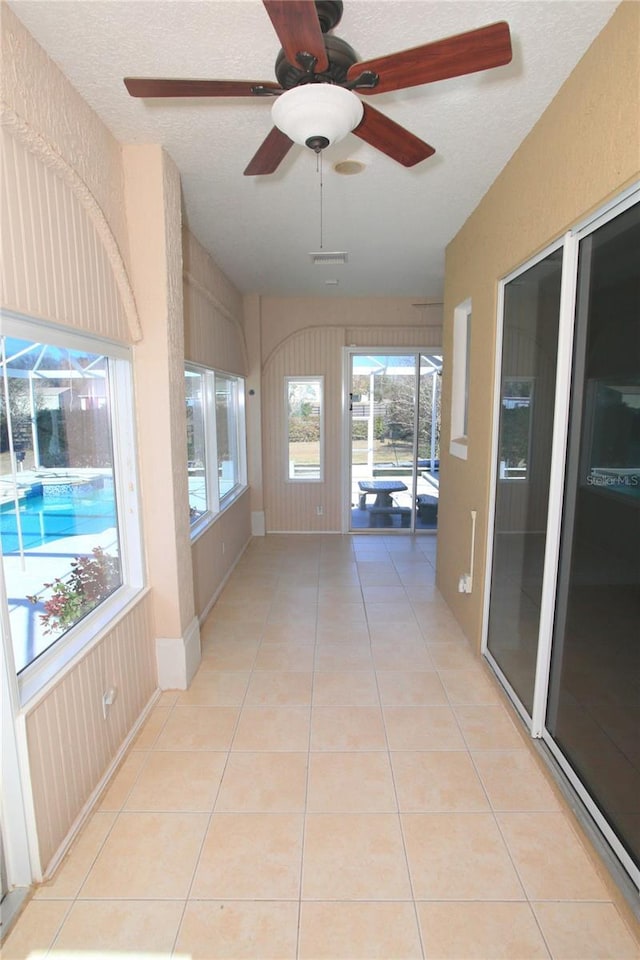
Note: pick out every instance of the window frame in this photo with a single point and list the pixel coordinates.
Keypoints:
(461, 377)
(210, 455)
(505, 476)
(57, 659)
(319, 379)
(217, 503)
(239, 444)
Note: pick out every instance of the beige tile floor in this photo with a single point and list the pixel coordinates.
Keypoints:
(341, 780)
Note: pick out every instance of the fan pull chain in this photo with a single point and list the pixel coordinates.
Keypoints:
(319, 171)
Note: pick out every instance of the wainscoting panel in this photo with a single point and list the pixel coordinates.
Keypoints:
(293, 506)
(59, 259)
(70, 743)
(212, 313)
(216, 552)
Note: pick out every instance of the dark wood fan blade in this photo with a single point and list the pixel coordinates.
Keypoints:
(388, 136)
(453, 57)
(142, 87)
(270, 154)
(298, 28)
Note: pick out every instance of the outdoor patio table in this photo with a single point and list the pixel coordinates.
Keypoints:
(382, 489)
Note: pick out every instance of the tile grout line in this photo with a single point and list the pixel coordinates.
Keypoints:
(306, 789)
(219, 787)
(398, 813)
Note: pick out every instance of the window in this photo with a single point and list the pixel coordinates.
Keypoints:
(460, 385)
(216, 458)
(516, 418)
(194, 387)
(64, 490)
(228, 436)
(610, 457)
(303, 399)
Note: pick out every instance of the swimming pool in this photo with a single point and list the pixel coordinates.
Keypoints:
(44, 519)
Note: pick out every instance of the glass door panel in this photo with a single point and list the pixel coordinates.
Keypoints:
(428, 472)
(383, 425)
(528, 377)
(395, 441)
(593, 712)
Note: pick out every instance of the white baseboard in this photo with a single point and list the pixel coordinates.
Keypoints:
(178, 658)
(258, 527)
(192, 649)
(207, 610)
(96, 793)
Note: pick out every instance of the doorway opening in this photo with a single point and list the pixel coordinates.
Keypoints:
(393, 426)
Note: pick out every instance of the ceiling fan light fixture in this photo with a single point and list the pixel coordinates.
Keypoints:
(317, 114)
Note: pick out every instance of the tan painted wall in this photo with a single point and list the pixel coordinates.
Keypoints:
(153, 210)
(306, 337)
(217, 550)
(35, 91)
(213, 330)
(70, 743)
(92, 239)
(283, 316)
(584, 150)
(253, 334)
(57, 249)
(64, 230)
(214, 337)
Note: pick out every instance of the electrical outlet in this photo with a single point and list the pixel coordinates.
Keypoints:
(319, 510)
(108, 699)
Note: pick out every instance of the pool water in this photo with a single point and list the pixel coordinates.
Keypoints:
(44, 519)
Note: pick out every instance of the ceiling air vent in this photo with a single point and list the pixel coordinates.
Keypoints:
(329, 258)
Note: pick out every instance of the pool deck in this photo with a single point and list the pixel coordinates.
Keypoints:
(42, 563)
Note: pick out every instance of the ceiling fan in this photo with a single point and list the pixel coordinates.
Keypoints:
(317, 75)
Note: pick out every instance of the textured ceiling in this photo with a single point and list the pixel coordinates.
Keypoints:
(393, 222)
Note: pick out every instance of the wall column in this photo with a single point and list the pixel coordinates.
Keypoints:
(153, 202)
(253, 337)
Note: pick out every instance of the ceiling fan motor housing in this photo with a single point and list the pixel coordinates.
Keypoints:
(340, 55)
(329, 13)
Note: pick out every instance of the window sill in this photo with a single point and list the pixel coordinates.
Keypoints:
(458, 448)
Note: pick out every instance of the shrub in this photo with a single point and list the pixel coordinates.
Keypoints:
(91, 580)
(303, 430)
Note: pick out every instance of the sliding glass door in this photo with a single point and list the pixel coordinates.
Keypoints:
(593, 711)
(528, 375)
(394, 433)
(563, 606)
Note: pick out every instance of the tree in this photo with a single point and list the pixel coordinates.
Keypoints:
(20, 410)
